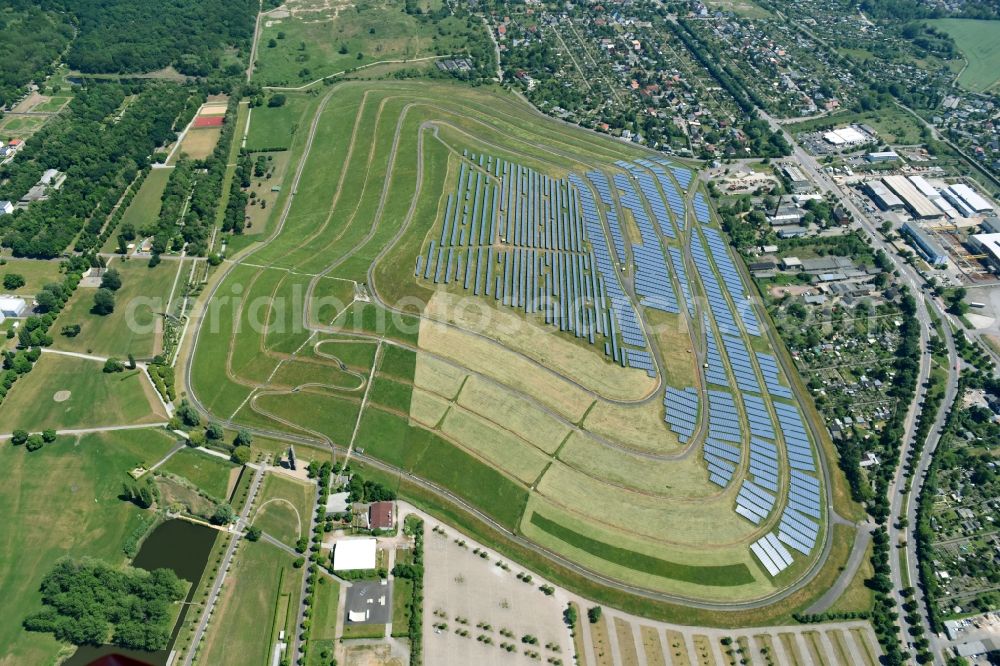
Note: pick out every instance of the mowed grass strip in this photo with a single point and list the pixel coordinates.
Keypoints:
(498, 446)
(718, 576)
(391, 394)
(210, 473)
(414, 449)
(95, 398)
(979, 42)
(517, 414)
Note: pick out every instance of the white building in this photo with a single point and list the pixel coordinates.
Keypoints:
(845, 136)
(6, 208)
(354, 553)
(11, 306)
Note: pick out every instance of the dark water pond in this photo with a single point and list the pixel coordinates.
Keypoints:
(178, 545)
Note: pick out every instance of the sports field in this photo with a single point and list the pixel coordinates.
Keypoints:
(538, 429)
(979, 42)
(65, 392)
(82, 477)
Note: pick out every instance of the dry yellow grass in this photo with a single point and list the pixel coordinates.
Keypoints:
(636, 426)
(669, 520)
(506, 367)
(578, 644)
(437, 376)
(427, 408)
(763, 644)
(791, 645)
(865, 641)
(815, 648)
(583, 364)
(626, 643)
(703, 650)
(601, 644)
(514, 413)
(674, 340)
(651, 646)
(677, 649)
(199, 143)
(501, 448)
(684, 478)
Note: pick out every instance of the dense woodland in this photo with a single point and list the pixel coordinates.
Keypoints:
(100, 143)
(91, 603)
(31, 41)
(147, 35)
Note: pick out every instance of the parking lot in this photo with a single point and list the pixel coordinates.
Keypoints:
(373, 598)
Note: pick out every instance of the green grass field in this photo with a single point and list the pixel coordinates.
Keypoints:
(144, 210)
(36, 273)
(275, 126)
(979, 42)
(262, 585)
(283, 508)
(134, 325)
(210, 473)
(96, 398)
(58, 501)
(323, 632)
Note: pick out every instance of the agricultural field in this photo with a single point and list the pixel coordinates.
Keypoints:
(262, 585)
(979, 42)
(65, 392)
(83, 477)
(569, 443)
(136, 325)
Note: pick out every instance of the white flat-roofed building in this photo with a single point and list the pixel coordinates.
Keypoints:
(918, 205)
(988, 244)
(845, 136)
(882, 197)
(6, 208)
(354, 553)
(971, 198)
(11, 306)
(885, 156)
(924, 187)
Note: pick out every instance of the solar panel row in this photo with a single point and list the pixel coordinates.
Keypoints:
(681, 411)
(772, 376)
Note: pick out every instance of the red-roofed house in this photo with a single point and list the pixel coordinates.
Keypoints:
(380, 516)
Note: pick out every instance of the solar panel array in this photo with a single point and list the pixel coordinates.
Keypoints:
(772, 554)
(675, 198)
(717, 306)
(647, 185)
(715, 373)
(681, 411)
(739, 360)
(701, 208)
(769, 368)
(799, 524)
(731, 278)
(753, 502)
(677, 259)
(652, 278)
(722, 448)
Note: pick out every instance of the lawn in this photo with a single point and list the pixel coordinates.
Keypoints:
(402, 595)
(979, 42)
(391, 394)
(274, 126)
(324, 620)
(144, 211)
(210, 473)
(36, 273)
(134, 326)
(83, 480)
(95, 398)
(262, 587)
(283, 508)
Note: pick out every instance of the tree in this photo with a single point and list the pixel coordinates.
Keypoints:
(46, 301)
(253, 533)
(569, 616)
(276, 100)
(594, 614)
(71, 330)
(111, 279)
(34, 442)
(49, 436)
(113, 365)
(243, 438)
(196, 438)
(104, 302)
(188, 415)
(19, 437)
(214, 431)
(223, 515)
(240, 455)
(12, 281)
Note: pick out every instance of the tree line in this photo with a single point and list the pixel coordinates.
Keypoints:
(100, 150)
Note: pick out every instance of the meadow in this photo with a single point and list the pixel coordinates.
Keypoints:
(210, 473)
(284, 507)
(96, 398)
(514, 426)
(135, 326)
(36, 273)
(979, 42)
(82, 477)
(144, 211)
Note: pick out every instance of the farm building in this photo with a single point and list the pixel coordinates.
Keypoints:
(11, 306)
(380, 516)
(354, 553)
(929, 248)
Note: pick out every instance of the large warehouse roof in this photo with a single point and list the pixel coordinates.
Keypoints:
(990, 243)
(918, 204)
(354, 553)
(845, 135)
(971, 198)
